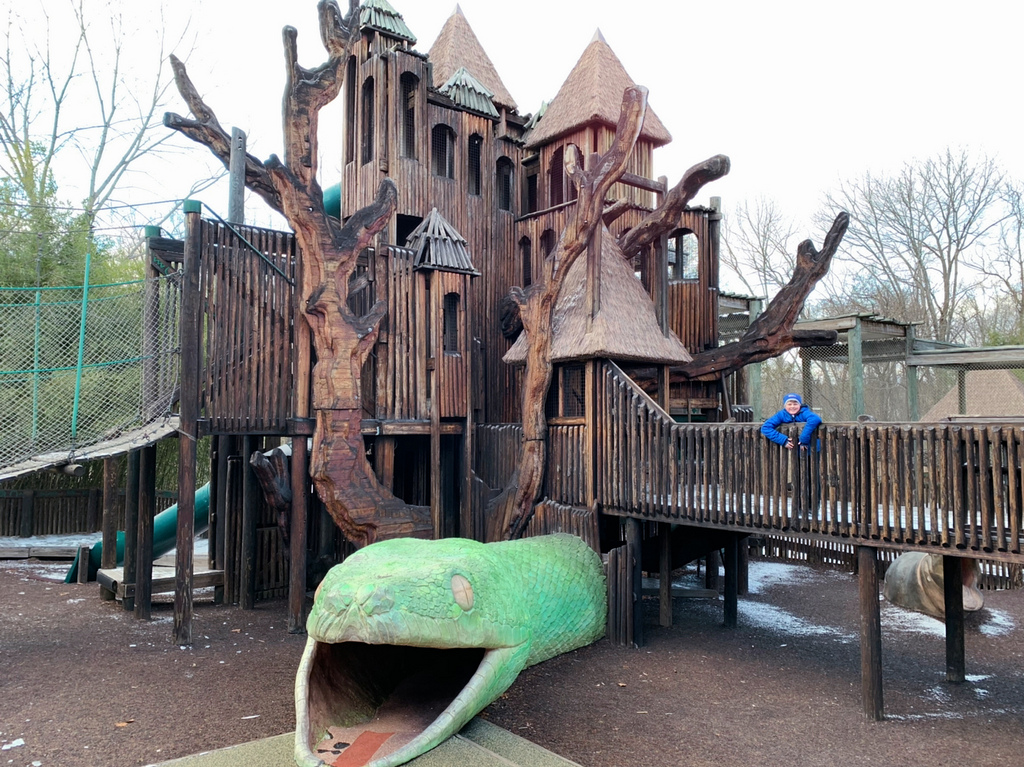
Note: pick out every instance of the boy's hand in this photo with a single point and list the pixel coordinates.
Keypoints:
(789, 444)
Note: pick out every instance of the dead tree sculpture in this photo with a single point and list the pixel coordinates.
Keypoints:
(536, 306)
(344, 480)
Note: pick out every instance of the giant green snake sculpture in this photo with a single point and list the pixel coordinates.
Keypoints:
(502, 606)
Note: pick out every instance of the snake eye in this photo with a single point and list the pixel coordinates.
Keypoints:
(462, 590)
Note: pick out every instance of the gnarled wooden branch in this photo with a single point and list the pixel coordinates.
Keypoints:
(772, 333)
(206, 129)
(665, 217)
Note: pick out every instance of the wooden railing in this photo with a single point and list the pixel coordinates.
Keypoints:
(923, 486)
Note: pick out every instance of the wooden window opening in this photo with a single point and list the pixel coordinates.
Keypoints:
(450, 326)
(504, 183)
(350, 110)
(683, 255)
(442, 142)
(410, 87)
(367, 116)
(556, 171)
(474, 149)
(526, 255)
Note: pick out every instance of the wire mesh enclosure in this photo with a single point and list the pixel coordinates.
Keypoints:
(83, 365)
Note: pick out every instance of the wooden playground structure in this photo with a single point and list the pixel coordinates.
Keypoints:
(645, 455)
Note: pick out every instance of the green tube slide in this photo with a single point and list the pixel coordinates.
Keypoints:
(165, 535)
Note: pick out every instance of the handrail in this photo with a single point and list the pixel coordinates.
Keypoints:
(918, 485)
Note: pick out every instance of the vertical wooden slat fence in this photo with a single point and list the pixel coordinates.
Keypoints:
(913, 485)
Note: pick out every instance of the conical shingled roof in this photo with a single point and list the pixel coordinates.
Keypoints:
(457, 46)
(379, 15)
(625, 328)
(468, 92)
(437, 245)
(593, 93)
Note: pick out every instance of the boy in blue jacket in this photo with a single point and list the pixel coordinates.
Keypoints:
(793, 411)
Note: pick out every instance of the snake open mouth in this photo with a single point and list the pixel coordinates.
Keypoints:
(410, 639)
(381, 705)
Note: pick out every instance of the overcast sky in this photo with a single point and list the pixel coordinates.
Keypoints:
(798, 94)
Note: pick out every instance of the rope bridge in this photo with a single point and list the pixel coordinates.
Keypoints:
(85, 371)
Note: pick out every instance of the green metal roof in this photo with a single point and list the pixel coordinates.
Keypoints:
(380, 15)
(469, 93)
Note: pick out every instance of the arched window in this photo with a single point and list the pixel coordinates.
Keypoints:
(450, 322)
(547, 242)
(556, 171)
(526, 256)
(350, 110)
(474, 148)
(367, 115)
(683, 255)
(410, 87)
(442, 143)
(503, 180)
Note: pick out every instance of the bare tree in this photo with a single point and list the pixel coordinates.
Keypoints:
(913, 235)
(756, 246)
(78, 98)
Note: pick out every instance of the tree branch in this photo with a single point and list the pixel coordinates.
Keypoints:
(772, 333)
(207, 130)
(666, 217)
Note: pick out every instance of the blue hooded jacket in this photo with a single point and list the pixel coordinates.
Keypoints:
(805, 415)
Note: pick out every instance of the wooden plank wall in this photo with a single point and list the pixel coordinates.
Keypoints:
(247, 383)
(401, 378)
(63, 512)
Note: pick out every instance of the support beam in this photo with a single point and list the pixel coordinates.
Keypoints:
(109, 556)
(635, 544)
(665, 574)
(953, 588)
(144, 533)
(131, 529)
(250, 508)
(731, 580)
(855, 343)
(870, 634)
(297, 536)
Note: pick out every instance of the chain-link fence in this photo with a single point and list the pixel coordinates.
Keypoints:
(825, 379)
(84, 365)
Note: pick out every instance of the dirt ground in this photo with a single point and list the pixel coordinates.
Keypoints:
(83, 683)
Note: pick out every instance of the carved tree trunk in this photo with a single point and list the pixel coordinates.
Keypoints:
(536, 305)
(359, 505)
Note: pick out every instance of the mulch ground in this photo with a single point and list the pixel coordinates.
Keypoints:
(84, 683)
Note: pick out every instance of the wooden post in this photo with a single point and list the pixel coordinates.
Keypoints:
(659, 286)
(297, 536)
(188, 430)
(754, 371)
(109, 539)
(26, 516)
(913, 411)
(250, 499)
(743, 573)
(806, 379)
(131, 528)
(634, 543)
(665, 574)
(436, 353)
(855, 359)
(144, 533)
(731, 579)
(92, 514)
(953, 592)
(711, 570)
(870, 634)
(961, 391)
